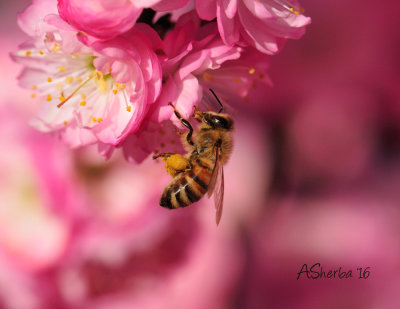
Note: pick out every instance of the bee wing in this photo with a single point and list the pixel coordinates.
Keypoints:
(216, 186)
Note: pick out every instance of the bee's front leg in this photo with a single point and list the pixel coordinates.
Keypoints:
(186, 123)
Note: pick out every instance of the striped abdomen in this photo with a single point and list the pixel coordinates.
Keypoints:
(188, 187)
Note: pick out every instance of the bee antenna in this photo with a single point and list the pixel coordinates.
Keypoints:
(222, 107)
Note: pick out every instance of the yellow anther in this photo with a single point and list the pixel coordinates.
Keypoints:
(28, 53)
(252, 70)
(101, 84)
(49, 79)
(74, 56)
(33, 95)
(75, 91)
(69, 79)
(297, 12)
(302, 10)
(56, 48)
(97, 75)
(115, 91)
(40, 52)
(65, 122)
(83, 96)
(34, 87)
(59, 86)
(83, 103)
(78, 79)
(61, 68)
(128, 108)
(99, 120)
(94, 119)
(48, 97)
(291, 9)
(120, 86)
(236, 80)
(62, 98)
(207, 77)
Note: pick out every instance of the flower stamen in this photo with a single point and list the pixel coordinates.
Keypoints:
(290, 7)
(75, 91)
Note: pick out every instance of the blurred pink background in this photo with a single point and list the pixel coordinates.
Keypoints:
(314, 178)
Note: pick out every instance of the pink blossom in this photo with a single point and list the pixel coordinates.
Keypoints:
(263, 24)
(92, 91)
(235, 79)
(191, 50)
(100, 18)
(106, 19)
(197, 60)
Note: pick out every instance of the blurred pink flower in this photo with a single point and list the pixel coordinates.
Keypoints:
(340, 230)
(38, 197)
(97, 92)
(263, 24)
(342, 148)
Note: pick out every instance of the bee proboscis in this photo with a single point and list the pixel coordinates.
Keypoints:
(200, 171)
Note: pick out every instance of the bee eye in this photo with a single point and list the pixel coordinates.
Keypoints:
(220, 122)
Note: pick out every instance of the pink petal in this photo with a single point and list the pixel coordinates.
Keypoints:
(31, 21)
(98, 18)
(206, 9)
(257, 33)
(228, 27)
(229, 7)
(168, 5)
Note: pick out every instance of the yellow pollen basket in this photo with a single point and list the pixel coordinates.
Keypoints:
(175, 163)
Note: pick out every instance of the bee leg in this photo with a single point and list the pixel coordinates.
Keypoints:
(162, 154)
(185, 123)
(197, 114)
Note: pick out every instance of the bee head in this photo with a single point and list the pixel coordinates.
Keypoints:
(218, 121)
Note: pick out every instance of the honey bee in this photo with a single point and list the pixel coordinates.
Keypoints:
(200, 171)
